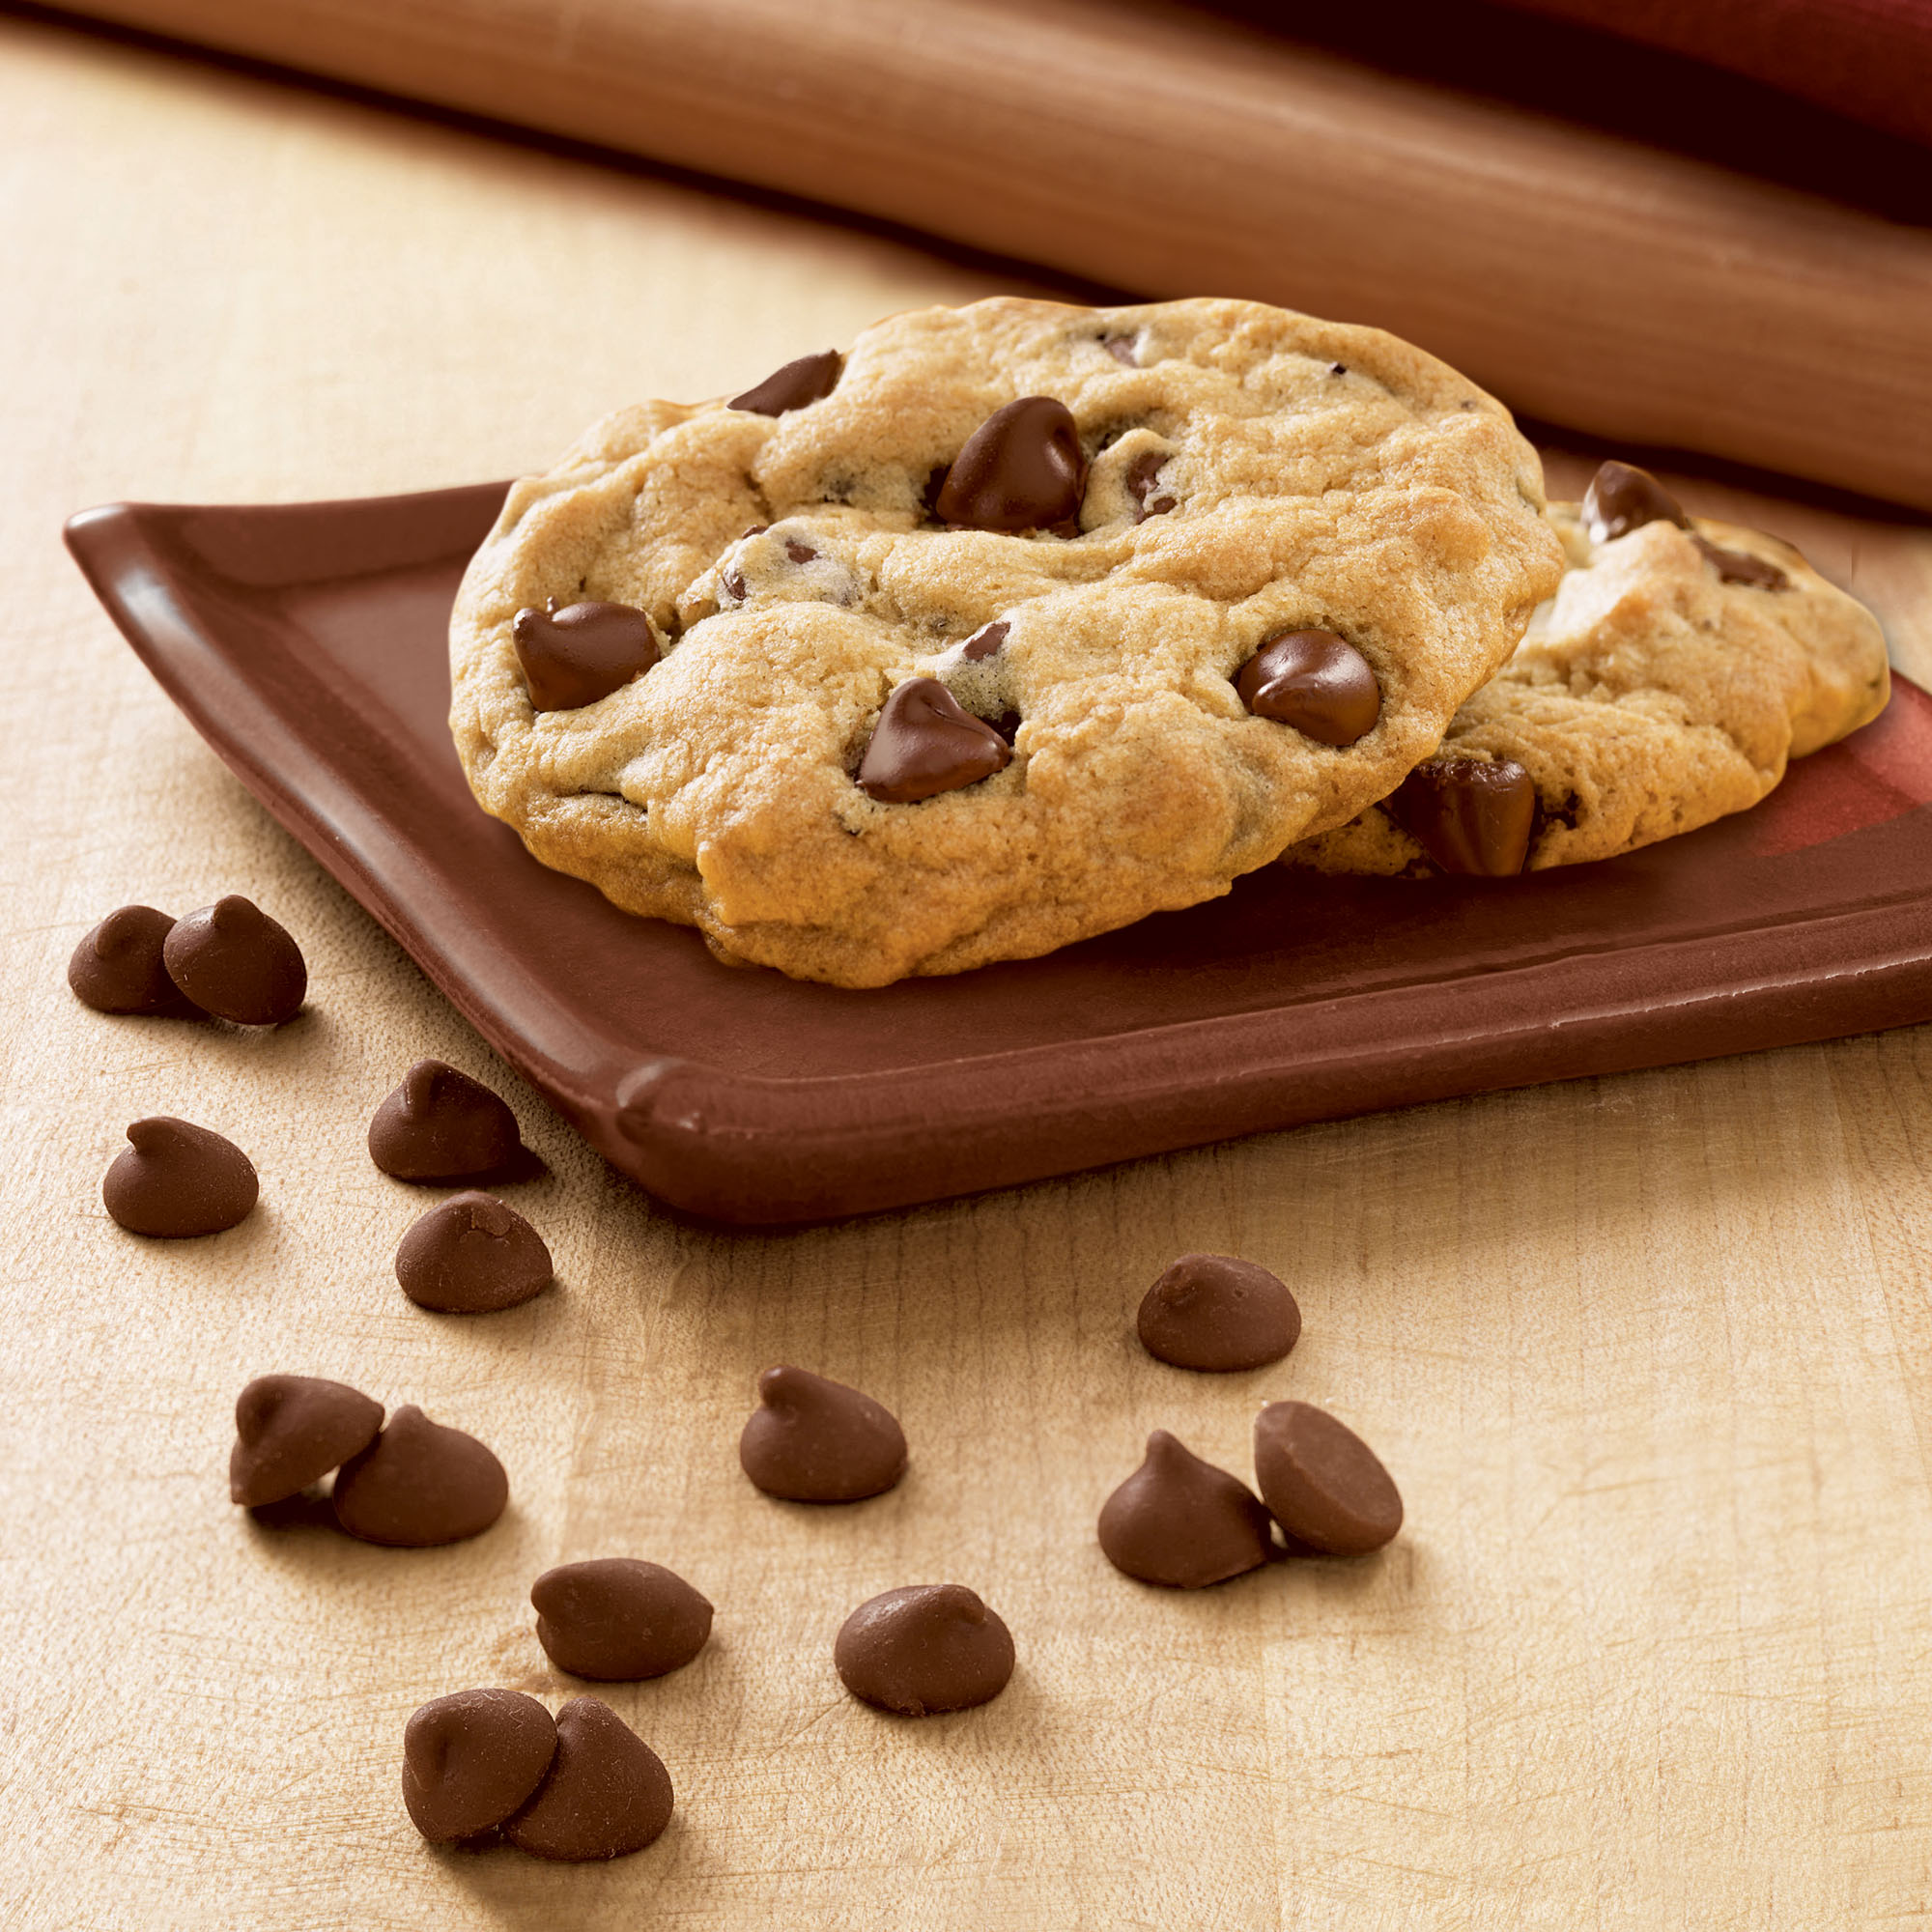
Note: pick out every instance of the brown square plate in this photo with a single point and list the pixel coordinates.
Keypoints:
(307, 645)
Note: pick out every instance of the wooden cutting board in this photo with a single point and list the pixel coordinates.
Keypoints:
(1651, 1357)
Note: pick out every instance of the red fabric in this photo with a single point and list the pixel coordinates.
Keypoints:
(1870, 60)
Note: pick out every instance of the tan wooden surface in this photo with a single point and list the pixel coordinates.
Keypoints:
(1651, 1357)
(1156, 147)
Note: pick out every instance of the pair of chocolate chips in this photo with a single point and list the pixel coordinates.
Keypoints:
(229, 959)
(1622, 497)
(576, 1787)
(1178, 1521)
(411, 1485)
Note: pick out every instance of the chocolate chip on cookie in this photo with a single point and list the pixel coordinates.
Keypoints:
(1739, 567)
(1322, 1482)
(174, 1180)
(1141, 474)
(923, 1649)
(1021, 469)
(985, 642)
(572, 657)
(1181, 1523)
(1473, 817)
(118, 968)
(236, 962)
(1622, 497)
(1316, 681)
(799, 383)
(924, 743)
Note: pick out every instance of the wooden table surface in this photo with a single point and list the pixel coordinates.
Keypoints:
(1651, 1357)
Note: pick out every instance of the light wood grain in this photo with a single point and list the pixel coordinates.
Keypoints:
(1585, 279)
(1651, 1357)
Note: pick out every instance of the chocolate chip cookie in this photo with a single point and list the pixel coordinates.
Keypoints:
(1680, 667)
(1016, 623)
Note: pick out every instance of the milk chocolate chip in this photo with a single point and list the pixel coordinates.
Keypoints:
(1180, 1522)
(234, 961)
(1021, 469)
(986, 642)
(811, 1440)
(175, 1179)
(617, 1619)
(1622, 497)
(1737, 566)
(606, 1793)
(924, 743)
(419, 1484)
(575, 656)
(1215, 1311)
(289, 1431)
(793, 386)
(472, 1758)
(1316, 681)
(1322, 1482)
(442, 1125)
(927, 1648)
(471, 1255)
(1141, 474)
(1471, 815)
(118, 968)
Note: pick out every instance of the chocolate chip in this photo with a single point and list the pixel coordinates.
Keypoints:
(175, 1179)
(420, 1483)
(799, 553)
(442, 1125)
(1471, 815)
(617, 1619)
(289, 1431)
(1338, 368)
(1622, 497)
(606, 1793)
(1180, 1522)
(924, 743)
(584, 653)
(1737, 566)
(1215, 1311)
(471, 1255)
(234, 961)
(734, 581)
(812, 1441)
(927, 1648)
(1141, 472)
(986, 642)
(791, 388)
(1316, 681)
(470, 1759)
(1322, 1482)
(1122, 347)
(1021, 469)
(118, 968)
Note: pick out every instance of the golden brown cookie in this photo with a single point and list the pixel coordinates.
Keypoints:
(930, 658)
(1680, 667)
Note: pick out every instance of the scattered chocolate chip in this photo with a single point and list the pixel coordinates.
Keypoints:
(1316, 681)
(1622, 497)
(792, 387)
(472, 1758)
(986, 642)
(1123, 349)
(617, 1619)
(1472, 816)
(927, 1648)
(1737, 566)
(470, 1255)
(420, 1483)
(1218, 1312)
(812, 1441)
(924, 743)
(234, 961)
(1021, 469)
(606, 1793)
(118, 968)
(1141, 472)
(734, 581)
(289, 1431)
(1338, 368)
(1180, 1522)
(799, 553)
(175, 1179)
(442, 1125)
(1322, 1482)
(584, 653)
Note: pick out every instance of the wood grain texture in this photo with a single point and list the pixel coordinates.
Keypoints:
(1651, 1357)
(1583, 278)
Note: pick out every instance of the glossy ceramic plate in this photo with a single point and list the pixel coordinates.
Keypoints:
(307, 645)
